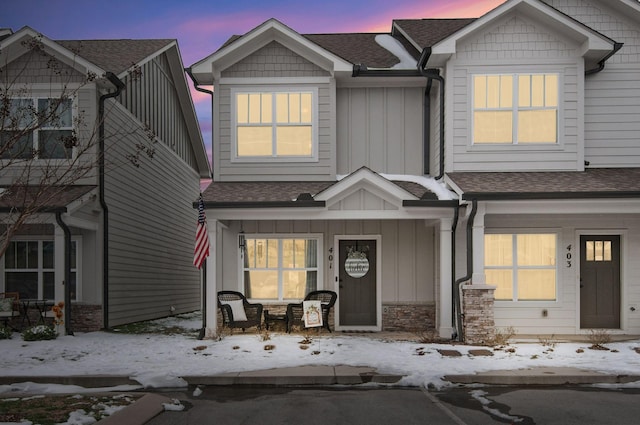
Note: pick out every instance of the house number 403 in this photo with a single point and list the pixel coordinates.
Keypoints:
(568, 256)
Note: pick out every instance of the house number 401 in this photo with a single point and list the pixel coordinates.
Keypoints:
(568, 256)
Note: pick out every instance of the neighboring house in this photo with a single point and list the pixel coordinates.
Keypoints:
(497, 158)
(128, 217)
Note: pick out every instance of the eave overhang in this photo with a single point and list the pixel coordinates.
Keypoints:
(207, 70)
(594, 46)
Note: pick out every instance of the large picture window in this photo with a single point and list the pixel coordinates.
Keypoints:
(37, 128)
(280, 268)
(272, 124)
(521, 266)
(29, 269)
(515, 108)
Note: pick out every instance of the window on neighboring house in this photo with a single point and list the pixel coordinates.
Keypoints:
(521, 266)
(29, 269)
(515, 108)
(280, 268)
(272, 124)
(37, 128)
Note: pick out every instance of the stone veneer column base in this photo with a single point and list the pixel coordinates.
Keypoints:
(478, 321)
(408, 317)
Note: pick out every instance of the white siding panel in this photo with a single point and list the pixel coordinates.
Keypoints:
(380, 128)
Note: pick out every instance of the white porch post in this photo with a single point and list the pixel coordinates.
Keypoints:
(212, 272)
(445, 324)
(58, 269)
(478, 277)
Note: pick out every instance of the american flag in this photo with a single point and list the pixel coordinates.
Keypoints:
(201, 250)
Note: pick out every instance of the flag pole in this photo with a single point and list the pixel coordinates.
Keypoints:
(203, 331)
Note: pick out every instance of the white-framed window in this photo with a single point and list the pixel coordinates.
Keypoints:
(29, 268)
(280, 267)
(522, 265)
(275, 124)
(38, 127)
(515, 108)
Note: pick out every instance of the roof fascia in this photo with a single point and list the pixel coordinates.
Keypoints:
(594, 45)
(153, 55)
(12, 48)
(364, 178)
(186, 103)
(208, 69)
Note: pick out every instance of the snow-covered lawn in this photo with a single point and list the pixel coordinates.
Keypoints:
(160, 359)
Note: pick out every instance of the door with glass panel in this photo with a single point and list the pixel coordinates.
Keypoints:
(600, 281)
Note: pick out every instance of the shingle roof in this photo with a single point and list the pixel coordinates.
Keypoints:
(48, 198)
(362, 48)
(427, 32)
(114, 55)
(270, 192)
(356, 48)
(605, 182)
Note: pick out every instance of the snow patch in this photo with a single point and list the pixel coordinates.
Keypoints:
(397, 49)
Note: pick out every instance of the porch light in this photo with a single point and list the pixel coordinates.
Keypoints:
(241, 240)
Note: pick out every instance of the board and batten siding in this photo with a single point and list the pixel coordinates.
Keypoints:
(380, 128)
(563, 314)
(150, 95)
(408, 252)
(273, 65)
(151, 227)
(515, 45)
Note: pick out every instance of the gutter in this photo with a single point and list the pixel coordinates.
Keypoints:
(458, 283)
(67, 272)
(600, 67)
(119, 85)
(506, 196)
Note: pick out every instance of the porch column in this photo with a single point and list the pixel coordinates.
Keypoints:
(211, 302)
(445, 323)
(58, 270)
(478, 277)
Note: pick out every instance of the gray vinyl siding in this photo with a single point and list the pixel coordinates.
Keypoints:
(151, 228)
(380, 128)
(407, 251)
(277, 62)
(503, 49)
(150, 95)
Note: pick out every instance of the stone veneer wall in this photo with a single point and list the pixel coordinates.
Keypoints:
(408, 317)
(86, 318)
(479, 324)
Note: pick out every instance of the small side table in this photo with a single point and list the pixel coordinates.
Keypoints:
(272, 319)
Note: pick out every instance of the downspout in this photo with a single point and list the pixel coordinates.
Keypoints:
(426, 127)
(67, 272)
(454, 299)
(119, 85)
(459, 282)
(600, 67)
(434, 74)
(203, 330)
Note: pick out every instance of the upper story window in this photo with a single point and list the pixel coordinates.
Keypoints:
(521, 266)
(275, 124)
(39, 128)
(515, 108)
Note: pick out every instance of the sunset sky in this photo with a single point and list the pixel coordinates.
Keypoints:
(202, 26)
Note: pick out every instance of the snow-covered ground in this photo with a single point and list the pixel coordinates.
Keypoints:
(157, 360)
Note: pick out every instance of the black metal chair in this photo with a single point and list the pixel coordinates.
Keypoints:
(228, 300)
(295, 310)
